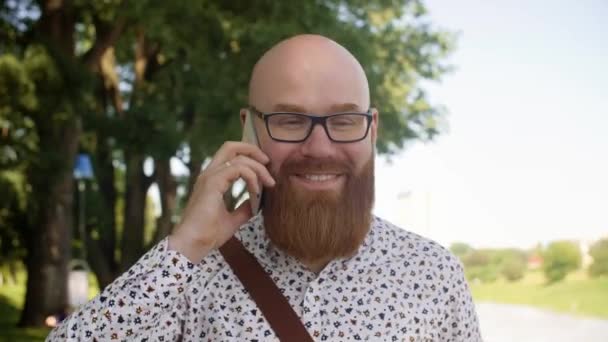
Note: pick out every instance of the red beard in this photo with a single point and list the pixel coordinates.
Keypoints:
(319, 225)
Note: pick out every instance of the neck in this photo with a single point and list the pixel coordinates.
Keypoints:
(315, 266)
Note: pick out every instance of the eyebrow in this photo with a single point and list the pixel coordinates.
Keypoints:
(284, 107)
(342, 107)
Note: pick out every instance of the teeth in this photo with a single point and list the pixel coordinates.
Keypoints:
(319, 178)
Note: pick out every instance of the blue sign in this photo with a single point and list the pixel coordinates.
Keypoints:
(83, 168)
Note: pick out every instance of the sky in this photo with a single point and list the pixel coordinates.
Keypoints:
(525, 159)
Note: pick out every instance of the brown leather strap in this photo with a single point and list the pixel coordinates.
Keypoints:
(269, 299)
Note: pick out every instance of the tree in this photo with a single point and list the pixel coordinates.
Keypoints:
(560, 258)
(477, 257)
(130, 82)
(460, 249)
(40, 57)
(599, 252)
(477, 265)
(12, 217)
(487, 264)
(513, 269)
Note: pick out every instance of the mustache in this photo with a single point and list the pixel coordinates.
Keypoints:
(316, 165)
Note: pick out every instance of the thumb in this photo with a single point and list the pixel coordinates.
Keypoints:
(242, 214)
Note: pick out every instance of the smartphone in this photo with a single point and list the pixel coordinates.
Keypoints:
(250, 136)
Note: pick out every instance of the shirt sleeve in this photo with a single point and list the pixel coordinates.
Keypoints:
(464, 324)
(146, 302)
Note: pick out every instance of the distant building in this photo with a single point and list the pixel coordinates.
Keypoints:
(535, 262)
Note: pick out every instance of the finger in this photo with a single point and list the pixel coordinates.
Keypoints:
(261, 171)
(252, 181)
(231, 149)
(223, 178)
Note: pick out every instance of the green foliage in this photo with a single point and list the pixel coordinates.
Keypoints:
(599, 252)
(486, 274)
(560, 258)
(11, 303)
(460, 249)
(488, 264)
(12, 216)
(17, 97)
(513, 269)
(477, 257)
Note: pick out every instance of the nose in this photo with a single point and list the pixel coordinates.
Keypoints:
(318, 144)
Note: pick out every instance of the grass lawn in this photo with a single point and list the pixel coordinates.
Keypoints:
(577, 294)
(11, 302)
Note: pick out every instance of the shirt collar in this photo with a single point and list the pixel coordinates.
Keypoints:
(255, 240)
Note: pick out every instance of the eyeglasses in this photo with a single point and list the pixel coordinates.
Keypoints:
(296, 127)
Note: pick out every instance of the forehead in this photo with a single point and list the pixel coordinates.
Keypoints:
(333, 108)
(314, 82)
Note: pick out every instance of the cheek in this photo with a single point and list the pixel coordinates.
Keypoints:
(359, 153)
(278, 153)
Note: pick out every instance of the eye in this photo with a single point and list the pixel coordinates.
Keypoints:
(344, 121)
(290, 120)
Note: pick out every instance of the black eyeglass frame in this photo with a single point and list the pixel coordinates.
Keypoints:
(315, 119)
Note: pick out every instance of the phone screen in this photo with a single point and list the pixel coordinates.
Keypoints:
(250, 136)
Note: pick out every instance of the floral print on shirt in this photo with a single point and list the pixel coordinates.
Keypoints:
(398, 287)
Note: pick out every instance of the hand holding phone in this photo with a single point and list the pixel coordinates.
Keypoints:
(206, 223)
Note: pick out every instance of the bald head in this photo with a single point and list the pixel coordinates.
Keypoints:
(308, 73)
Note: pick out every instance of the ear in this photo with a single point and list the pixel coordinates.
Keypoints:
(374, 125)
(243, 114)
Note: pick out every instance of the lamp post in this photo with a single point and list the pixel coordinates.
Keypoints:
(78, 282)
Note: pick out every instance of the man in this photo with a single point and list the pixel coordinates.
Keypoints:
(346, 273)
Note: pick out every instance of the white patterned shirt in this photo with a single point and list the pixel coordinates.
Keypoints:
(398, 287)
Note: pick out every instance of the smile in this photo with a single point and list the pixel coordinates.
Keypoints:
(319, 181)
(319, 178)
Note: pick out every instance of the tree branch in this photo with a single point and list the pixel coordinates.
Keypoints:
(107, 66)
(105, 39)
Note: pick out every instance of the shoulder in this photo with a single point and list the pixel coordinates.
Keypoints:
(392, 244)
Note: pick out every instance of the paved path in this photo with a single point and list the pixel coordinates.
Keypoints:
(509, 323)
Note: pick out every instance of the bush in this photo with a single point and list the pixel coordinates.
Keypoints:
(486, 274)
(599, 252)
(487, 264)
(560, 258)
(513, 269)
(460, 249)
(477, 258)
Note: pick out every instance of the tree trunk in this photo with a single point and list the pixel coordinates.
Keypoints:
(132, 246)
(194, 167)
(101, 256)
(49, 235)
(101, 264)
(49, 239)
(167, 187)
